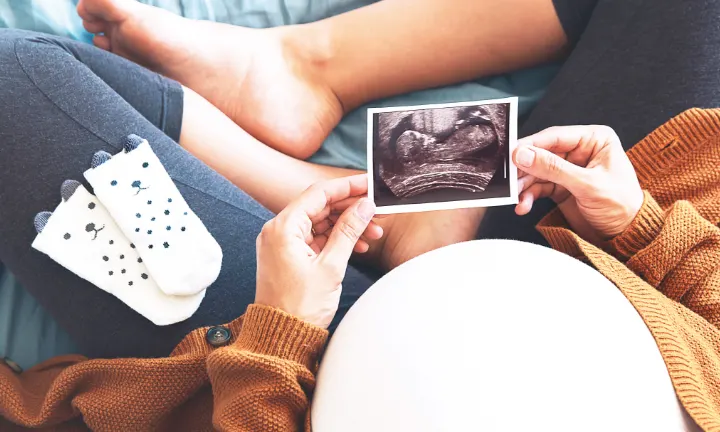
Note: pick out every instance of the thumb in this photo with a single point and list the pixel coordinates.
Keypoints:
(346, 233)
(550, 167)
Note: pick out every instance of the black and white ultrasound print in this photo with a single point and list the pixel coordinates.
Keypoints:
(442, 157)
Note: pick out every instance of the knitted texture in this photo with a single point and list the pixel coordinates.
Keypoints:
(263, 381)
(667, 263)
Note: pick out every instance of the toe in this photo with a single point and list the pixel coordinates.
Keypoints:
(95, 26)
(83, 12)
(107, 10)
(373, 232)
(361, 247)
(102, 42)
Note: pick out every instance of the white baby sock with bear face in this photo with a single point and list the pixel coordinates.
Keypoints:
(81, 236)
(180, 253)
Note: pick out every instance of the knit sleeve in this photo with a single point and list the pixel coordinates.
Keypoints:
(678, 252)
(265, 379)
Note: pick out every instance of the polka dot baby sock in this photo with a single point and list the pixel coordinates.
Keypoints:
(180, 253)
(81, 236)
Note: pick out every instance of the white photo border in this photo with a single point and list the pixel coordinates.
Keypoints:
(449, 205)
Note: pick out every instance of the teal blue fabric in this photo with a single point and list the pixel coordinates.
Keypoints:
(56, 17)
(27, 334)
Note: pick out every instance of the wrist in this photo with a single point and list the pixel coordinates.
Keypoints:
(270, 331)
(630, 213)
(642, 230)
(293, 306)
(276, 302)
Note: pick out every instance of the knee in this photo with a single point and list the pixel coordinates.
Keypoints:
(8, 38)
(25, 55)
(29, 62)
(10, 65)
(36, 42)
(8, 34)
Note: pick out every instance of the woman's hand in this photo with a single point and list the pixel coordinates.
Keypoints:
(303, 253)
(584, 169)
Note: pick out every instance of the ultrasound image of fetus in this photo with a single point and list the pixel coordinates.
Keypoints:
(444, 148)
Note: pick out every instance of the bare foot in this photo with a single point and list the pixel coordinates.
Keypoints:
(259, 78)
(407, 236)
(263, 80)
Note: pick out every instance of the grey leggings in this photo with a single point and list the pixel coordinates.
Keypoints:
(61, 101)
(638, 63)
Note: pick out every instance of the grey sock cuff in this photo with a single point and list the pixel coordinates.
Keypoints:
(132, 142)
(100, 158)
(68, 188)
(41, 219)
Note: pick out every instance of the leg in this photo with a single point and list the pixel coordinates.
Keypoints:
(57, 113)
(629, 72)
(274, 179)
(320, 70)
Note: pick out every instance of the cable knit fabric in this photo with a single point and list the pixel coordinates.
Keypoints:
(262, 381)
(665, 263)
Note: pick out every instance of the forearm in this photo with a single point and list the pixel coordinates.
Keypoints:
(678, 252)
(396, 46)
(270, 177)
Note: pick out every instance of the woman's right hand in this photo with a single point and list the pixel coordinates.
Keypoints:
(302, 253)
(585, 170)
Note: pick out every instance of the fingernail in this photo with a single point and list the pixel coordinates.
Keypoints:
(366, 210)
(524, 156)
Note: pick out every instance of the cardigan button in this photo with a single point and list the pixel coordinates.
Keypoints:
(218, 336)
(12, 365)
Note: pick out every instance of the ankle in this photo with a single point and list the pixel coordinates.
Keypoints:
(310, 47)
(409, 235)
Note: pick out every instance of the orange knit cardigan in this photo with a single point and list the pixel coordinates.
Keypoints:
(666, 264)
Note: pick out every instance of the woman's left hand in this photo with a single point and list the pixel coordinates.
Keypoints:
(585, 170)
(304, 251)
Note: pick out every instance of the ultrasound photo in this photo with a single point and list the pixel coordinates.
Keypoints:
(442, 156)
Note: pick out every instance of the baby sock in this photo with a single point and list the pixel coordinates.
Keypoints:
(81, 236)
(180, 253)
